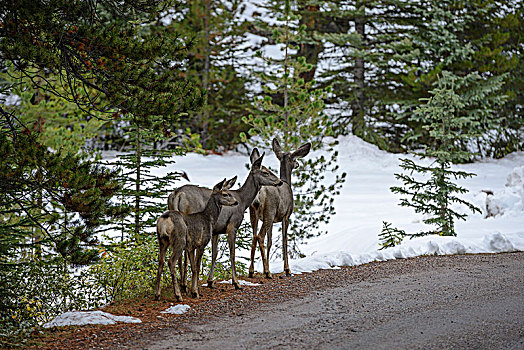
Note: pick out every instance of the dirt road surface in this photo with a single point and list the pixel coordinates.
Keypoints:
(466, 302)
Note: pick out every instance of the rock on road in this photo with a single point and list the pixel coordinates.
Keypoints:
(465, 302)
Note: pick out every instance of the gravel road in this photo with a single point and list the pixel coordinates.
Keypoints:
(469, 301)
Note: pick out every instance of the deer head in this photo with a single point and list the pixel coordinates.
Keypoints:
(262, 175)
(222, 194)
(288, 160)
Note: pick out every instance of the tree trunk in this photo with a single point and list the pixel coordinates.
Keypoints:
(137, 181)
(310, 17)
(205, 76)
(357, 106)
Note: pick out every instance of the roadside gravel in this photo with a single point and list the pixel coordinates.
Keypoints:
(437, 302)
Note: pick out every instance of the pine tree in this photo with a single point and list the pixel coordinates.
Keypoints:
(446, 41)
(456, 111)
(292, 110)
(216, 63)
(105, 58)
(365, 45)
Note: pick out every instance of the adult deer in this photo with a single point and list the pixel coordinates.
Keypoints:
(189, 232)
(190, 198)
(272, 205)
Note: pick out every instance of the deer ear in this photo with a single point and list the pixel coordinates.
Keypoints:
(258, 163)
(230, 183)
(254, 155)
(219, 186)
(302, 151)
(277, 149)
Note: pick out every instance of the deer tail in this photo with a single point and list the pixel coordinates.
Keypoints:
(164, 225)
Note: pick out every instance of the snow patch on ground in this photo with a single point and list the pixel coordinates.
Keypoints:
(242, 283)
(79, 318)
(177, 309)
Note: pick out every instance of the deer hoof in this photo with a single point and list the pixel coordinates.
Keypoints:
(194, 295)
(179, 298)
(251, 274)
(268, 275)
(288, 272)
(211, 284)
(237, 286)
(157, 297)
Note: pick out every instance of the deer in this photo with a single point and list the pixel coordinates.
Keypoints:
(273, 205)
(191, 198)
(190, 233)
(182, 200)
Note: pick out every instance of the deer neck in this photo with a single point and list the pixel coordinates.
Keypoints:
(212, 209)
(248, 191)
(285, 173)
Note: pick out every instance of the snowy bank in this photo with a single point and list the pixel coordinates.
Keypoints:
(429, 245)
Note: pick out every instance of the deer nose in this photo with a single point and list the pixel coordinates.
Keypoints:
(236, 203)
(280, 183)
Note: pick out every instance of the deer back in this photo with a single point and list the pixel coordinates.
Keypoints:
(189, 199)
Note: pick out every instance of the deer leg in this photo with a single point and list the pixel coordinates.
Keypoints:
(261, 237)
(194, 274)
(254, 223)
(285, 224)
(182, 267)
(269, 242)
(177, 253)
(231, 237)
(214, 252)
(163, 243)
(198, 258)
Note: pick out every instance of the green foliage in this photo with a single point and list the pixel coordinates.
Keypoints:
(109, 60)
(390, 236)
(451, 123)
(34, 292)
(141, 191)
(292, 110)
(214, 65)
(128, 269)
(58, 123)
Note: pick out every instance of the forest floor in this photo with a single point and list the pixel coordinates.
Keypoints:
(458, 301)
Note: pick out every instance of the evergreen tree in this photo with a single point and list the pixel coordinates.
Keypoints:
(292, 110)
(105, 58)
(446, 41)
(361, 46)
(456, 111)
(216, 63)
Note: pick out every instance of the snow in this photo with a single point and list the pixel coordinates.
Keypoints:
(241, 282)
(177, 309)
(79, 318)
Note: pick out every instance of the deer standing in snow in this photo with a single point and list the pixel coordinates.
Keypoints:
(190, 198)
(189, 232)
(272, 205)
